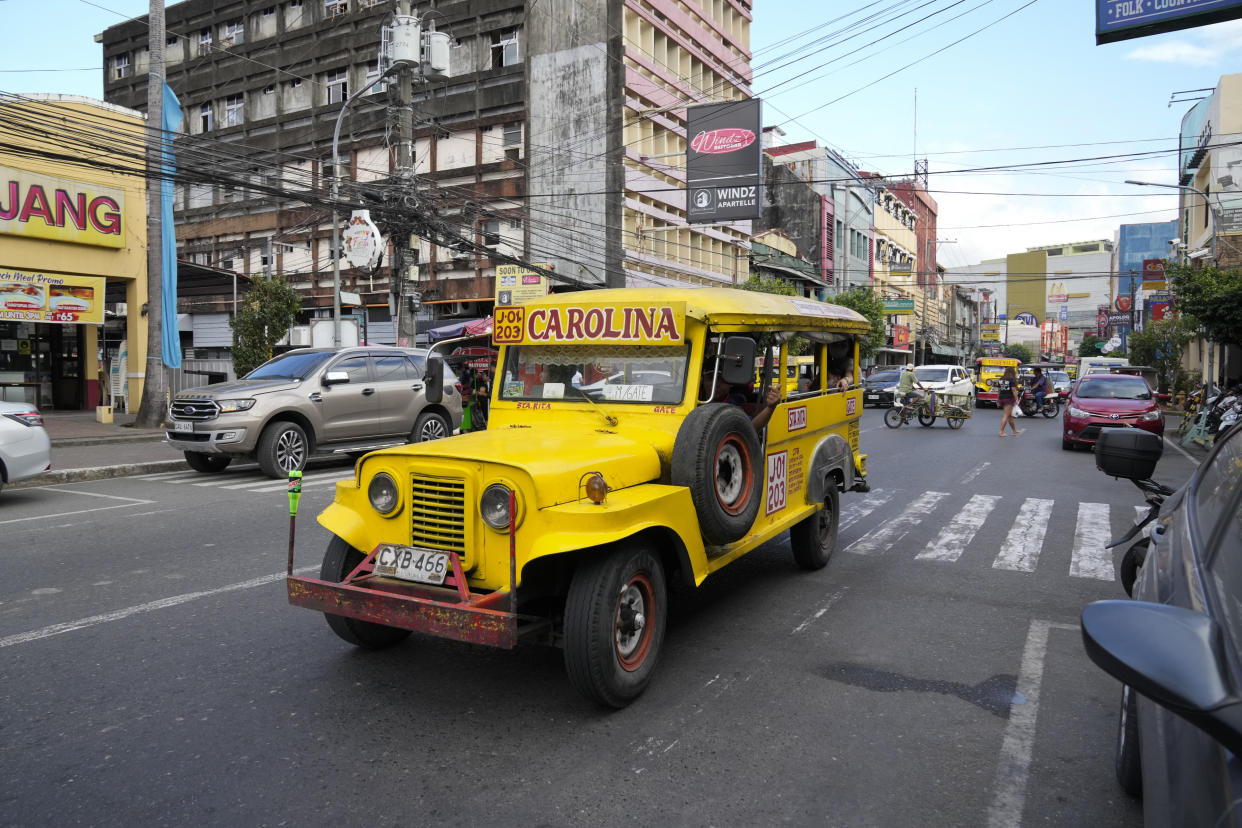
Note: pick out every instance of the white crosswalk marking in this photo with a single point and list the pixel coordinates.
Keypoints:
(894, 530)
(856, 510)
(246, 481)
(1020, 551)
(955, 537)
(1089, 558)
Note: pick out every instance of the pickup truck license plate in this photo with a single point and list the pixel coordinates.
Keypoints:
(183, 426)
(410, 563)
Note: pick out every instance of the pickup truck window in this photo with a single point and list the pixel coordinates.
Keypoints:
(291, 366)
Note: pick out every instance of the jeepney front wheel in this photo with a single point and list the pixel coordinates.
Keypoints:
(813, 539)
(615, 616)
(338, 562)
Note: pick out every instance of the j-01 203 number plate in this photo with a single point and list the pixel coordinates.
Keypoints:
(412, 564)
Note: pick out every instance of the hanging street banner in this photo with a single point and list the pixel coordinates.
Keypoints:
(1126, 19)
(724, 162)
(902, 307)
(515, 284)
(360, 241)
(31, 296)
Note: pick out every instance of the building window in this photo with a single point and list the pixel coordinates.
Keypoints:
(269, 11)
(513, 134)
(491, 232)
(120, 67)
(171, 43)
(204, 42)
(232, 33)
(204, 118)
(338, 86)
(505, 49)
(334, 7)
(234, 110)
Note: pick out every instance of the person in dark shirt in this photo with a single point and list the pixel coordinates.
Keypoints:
(1006, 395)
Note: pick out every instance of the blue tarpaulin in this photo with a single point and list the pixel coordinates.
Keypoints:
(171, 340)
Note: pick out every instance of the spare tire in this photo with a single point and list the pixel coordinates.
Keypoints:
(717, 456)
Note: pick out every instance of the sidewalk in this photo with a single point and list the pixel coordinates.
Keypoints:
(83, 449)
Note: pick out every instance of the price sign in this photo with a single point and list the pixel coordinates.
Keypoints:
(509, 325)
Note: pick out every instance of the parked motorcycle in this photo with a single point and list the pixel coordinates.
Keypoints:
(1223, 411)
(1133, 453)
(1030, 407)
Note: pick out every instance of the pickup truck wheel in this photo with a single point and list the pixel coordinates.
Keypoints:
(207, 463)
(338, 562)
(282, 449)
(717, 456)
(430, 426)
(615, 616)
(814, 539)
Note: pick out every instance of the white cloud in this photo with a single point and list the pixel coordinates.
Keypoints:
(1206, 46)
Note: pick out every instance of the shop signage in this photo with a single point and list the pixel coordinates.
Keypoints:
(360, 242)
(901, 335)
(60, 209)
(989, 336)
(515, 284)
(1119, 319)
(899, 306)
(1026, 318)
(724, 162)
(1162, 310)
(1125, 19)
(1057, 293)
(1123, 303)
(31, 296)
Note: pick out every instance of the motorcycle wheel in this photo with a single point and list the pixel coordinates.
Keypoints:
(892, 418)
(1050, 409)
(1131, 561)
(1027, 407)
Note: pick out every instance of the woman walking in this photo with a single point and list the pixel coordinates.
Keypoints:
(1006, 395)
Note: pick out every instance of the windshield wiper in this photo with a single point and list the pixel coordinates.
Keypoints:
(608, 418)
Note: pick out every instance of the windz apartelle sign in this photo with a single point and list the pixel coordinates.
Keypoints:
(724, 162)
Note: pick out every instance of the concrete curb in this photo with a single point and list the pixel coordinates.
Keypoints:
(107, 441)
(60, 476)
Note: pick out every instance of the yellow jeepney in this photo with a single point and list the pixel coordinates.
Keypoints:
(986, 370)
(609, 466)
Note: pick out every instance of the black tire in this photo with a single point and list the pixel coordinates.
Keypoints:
(1051, 410)
(1027, 407)
(207, 463)
(717, 456)
(814, 539)
(892, 418)
(955, 422)
(1067, 445)
(1127, 763)
(926, 418)
(1131, 562)
(430, 425)
(615, 615)
(338, 562)
(282, 448)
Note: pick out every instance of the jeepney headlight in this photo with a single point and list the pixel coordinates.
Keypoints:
(383, 494)
(494, 506)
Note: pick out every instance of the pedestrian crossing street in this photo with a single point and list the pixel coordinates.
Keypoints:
(1026, 537)
(247, 480)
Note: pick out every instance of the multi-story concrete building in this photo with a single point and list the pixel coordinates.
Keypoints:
(557, 137)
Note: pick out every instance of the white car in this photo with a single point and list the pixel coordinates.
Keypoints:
(25, 449)
(946, 379)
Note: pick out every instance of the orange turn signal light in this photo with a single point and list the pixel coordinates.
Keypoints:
(596, 488)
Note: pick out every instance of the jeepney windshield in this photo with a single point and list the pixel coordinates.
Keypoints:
(603, 373)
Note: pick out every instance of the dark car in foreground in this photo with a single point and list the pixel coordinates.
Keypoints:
(878, 388)
(1100, 401)
(1177, 647)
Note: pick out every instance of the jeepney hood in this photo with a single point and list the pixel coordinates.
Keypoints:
(556, 457)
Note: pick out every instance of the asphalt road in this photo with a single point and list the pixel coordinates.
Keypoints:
(154, 673)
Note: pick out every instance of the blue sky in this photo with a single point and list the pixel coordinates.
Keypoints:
(1030, 86)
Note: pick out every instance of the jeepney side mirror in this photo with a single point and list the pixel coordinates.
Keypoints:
(737, 365)
(433, 380)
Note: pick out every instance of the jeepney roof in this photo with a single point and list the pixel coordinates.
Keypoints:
(725, 308)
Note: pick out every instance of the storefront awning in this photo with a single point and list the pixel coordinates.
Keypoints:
(793, 271)
(945, 350)
(893, 351)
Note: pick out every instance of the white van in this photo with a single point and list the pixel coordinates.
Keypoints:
(1098, 365)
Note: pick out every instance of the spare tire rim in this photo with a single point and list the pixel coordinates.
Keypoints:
(732, 474)
(632, 625)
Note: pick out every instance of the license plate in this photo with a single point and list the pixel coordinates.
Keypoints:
(183, 426)
(410, 563)
(873, 396)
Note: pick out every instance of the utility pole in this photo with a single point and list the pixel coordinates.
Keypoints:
(155, 384)
(405, 175)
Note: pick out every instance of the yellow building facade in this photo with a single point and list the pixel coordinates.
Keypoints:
(73, 240)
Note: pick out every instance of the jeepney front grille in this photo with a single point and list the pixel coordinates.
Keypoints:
(438, 513)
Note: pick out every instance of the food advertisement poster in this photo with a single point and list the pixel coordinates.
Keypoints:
(515, 285)
(32, 296)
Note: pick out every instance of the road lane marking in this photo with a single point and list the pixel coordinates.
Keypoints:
(856, 510)
(1089, 558)
(1020, 551)
(832, 599)
(1175, 444)
(975, 472)
(151, 606)
(76, 512)
(94, 494)
(954, 538)
(1013, 769)
(895, 529)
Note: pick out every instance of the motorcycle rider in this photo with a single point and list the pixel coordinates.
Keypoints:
(1040, 387)
(906, 384)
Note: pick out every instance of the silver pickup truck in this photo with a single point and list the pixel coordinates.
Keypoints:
(312, 401)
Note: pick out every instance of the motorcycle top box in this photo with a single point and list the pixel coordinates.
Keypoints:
(1128, 452)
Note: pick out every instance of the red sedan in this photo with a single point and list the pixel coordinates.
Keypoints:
(1109, 401)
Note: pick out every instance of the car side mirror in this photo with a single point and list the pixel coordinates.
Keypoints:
(1171, 655)
(737, 364)
(433, 380)
(335, 378)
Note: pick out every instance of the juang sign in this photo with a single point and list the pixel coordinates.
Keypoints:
(60, 209)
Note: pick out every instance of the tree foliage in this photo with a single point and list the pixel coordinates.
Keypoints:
(872, 307)
(1090, 346)
(266, 314)
(1211, 297)
(1160, 345)
(1019, 352)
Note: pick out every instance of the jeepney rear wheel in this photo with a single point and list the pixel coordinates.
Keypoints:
(338, 562)
(615, 615)
(814, 539)
(718, 458)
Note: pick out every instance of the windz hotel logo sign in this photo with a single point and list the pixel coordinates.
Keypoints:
(723, 162)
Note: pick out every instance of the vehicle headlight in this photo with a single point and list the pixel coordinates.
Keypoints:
(1077, 412)
(229, 406)
(383, 494)
(494, 506)
(1151, 415)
